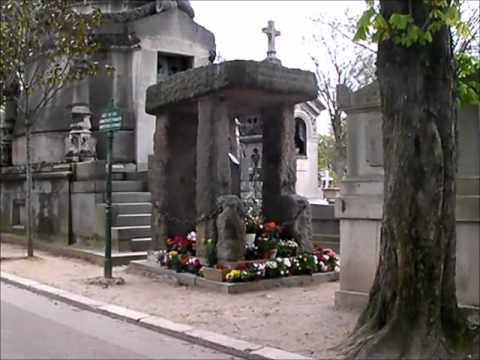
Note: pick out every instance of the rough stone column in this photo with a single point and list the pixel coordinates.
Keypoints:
(158, 182)
(213, 165)
(172, 176)
(278, 159)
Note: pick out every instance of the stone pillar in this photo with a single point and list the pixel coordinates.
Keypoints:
(172, 176)
(158, 182)
(213, 165)
(278, 159)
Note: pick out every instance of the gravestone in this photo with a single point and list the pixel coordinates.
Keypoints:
(207, 100)
(360, 204)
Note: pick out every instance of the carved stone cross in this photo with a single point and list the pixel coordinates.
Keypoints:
(272, 33)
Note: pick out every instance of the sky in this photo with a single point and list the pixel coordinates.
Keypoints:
(237, 26)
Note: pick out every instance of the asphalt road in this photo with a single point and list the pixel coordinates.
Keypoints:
(35, 327)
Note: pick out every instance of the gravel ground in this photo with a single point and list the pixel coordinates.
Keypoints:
(301, 320)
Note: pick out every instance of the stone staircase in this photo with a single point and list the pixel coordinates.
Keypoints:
(132, 212)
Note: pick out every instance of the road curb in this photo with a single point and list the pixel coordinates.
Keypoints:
(226, 344)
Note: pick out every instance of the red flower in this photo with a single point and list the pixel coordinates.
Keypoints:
(270, 226)
(329, 252)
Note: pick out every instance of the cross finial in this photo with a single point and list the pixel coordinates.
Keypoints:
(272, 33)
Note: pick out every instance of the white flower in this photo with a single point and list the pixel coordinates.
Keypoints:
(287, 262)
(323, 267)
(337, 269)
(326, 257)
(292, 243)
(271, 265)
(192, 236)
(315, 259)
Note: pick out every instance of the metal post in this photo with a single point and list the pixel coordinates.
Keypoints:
(108, 209)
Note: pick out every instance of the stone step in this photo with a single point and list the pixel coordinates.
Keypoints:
(122, 233)
(98, 186)
(133, 219)
(132, 208)
(140, 244)
(131, 197)
(128, 186)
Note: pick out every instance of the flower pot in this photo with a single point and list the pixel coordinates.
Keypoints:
(250, 240)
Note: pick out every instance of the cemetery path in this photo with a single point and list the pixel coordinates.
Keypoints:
(300, 320)
(36, 327)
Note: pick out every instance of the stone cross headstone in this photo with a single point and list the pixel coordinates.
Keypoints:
(272, 33)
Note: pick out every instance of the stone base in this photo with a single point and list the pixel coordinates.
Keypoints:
(355, 300)
(149, 268)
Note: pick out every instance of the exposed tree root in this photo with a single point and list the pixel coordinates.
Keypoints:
(401, 340)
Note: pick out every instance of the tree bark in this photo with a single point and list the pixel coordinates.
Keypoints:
(412, 310)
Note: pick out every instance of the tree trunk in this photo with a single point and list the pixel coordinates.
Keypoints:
(339, 161)
(412, 310)
(29, 186)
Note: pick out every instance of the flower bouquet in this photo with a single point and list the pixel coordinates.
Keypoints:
(267, 247)
(182, 244)
(287, 248)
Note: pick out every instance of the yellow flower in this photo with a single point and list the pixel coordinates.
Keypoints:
(233, 275)
(173, 253)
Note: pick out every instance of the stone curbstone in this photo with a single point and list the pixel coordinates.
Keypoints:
(122, 312)
(223, 343)
(272, 353)
(166, 326)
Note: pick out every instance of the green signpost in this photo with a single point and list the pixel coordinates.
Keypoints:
(110, 121)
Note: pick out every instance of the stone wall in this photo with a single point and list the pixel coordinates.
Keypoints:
(50, 203)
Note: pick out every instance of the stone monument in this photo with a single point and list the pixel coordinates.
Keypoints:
(194, 110)
(272, 33)
(80, 145)
(143, 41)
(360, 204)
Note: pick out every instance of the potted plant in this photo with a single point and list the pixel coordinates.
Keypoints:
(253, 219)
(287, 248)
(251, 232)
(267, 247)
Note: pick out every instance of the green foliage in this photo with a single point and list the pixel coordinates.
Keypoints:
(211, 252)
(468, 75)
(45, 44)
(326, 149)
(402, 29)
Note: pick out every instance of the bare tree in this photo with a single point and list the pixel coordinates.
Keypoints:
(339, 61)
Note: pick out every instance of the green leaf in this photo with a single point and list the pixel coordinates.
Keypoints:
(452, 16)
(363, 25)
(399, 21)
